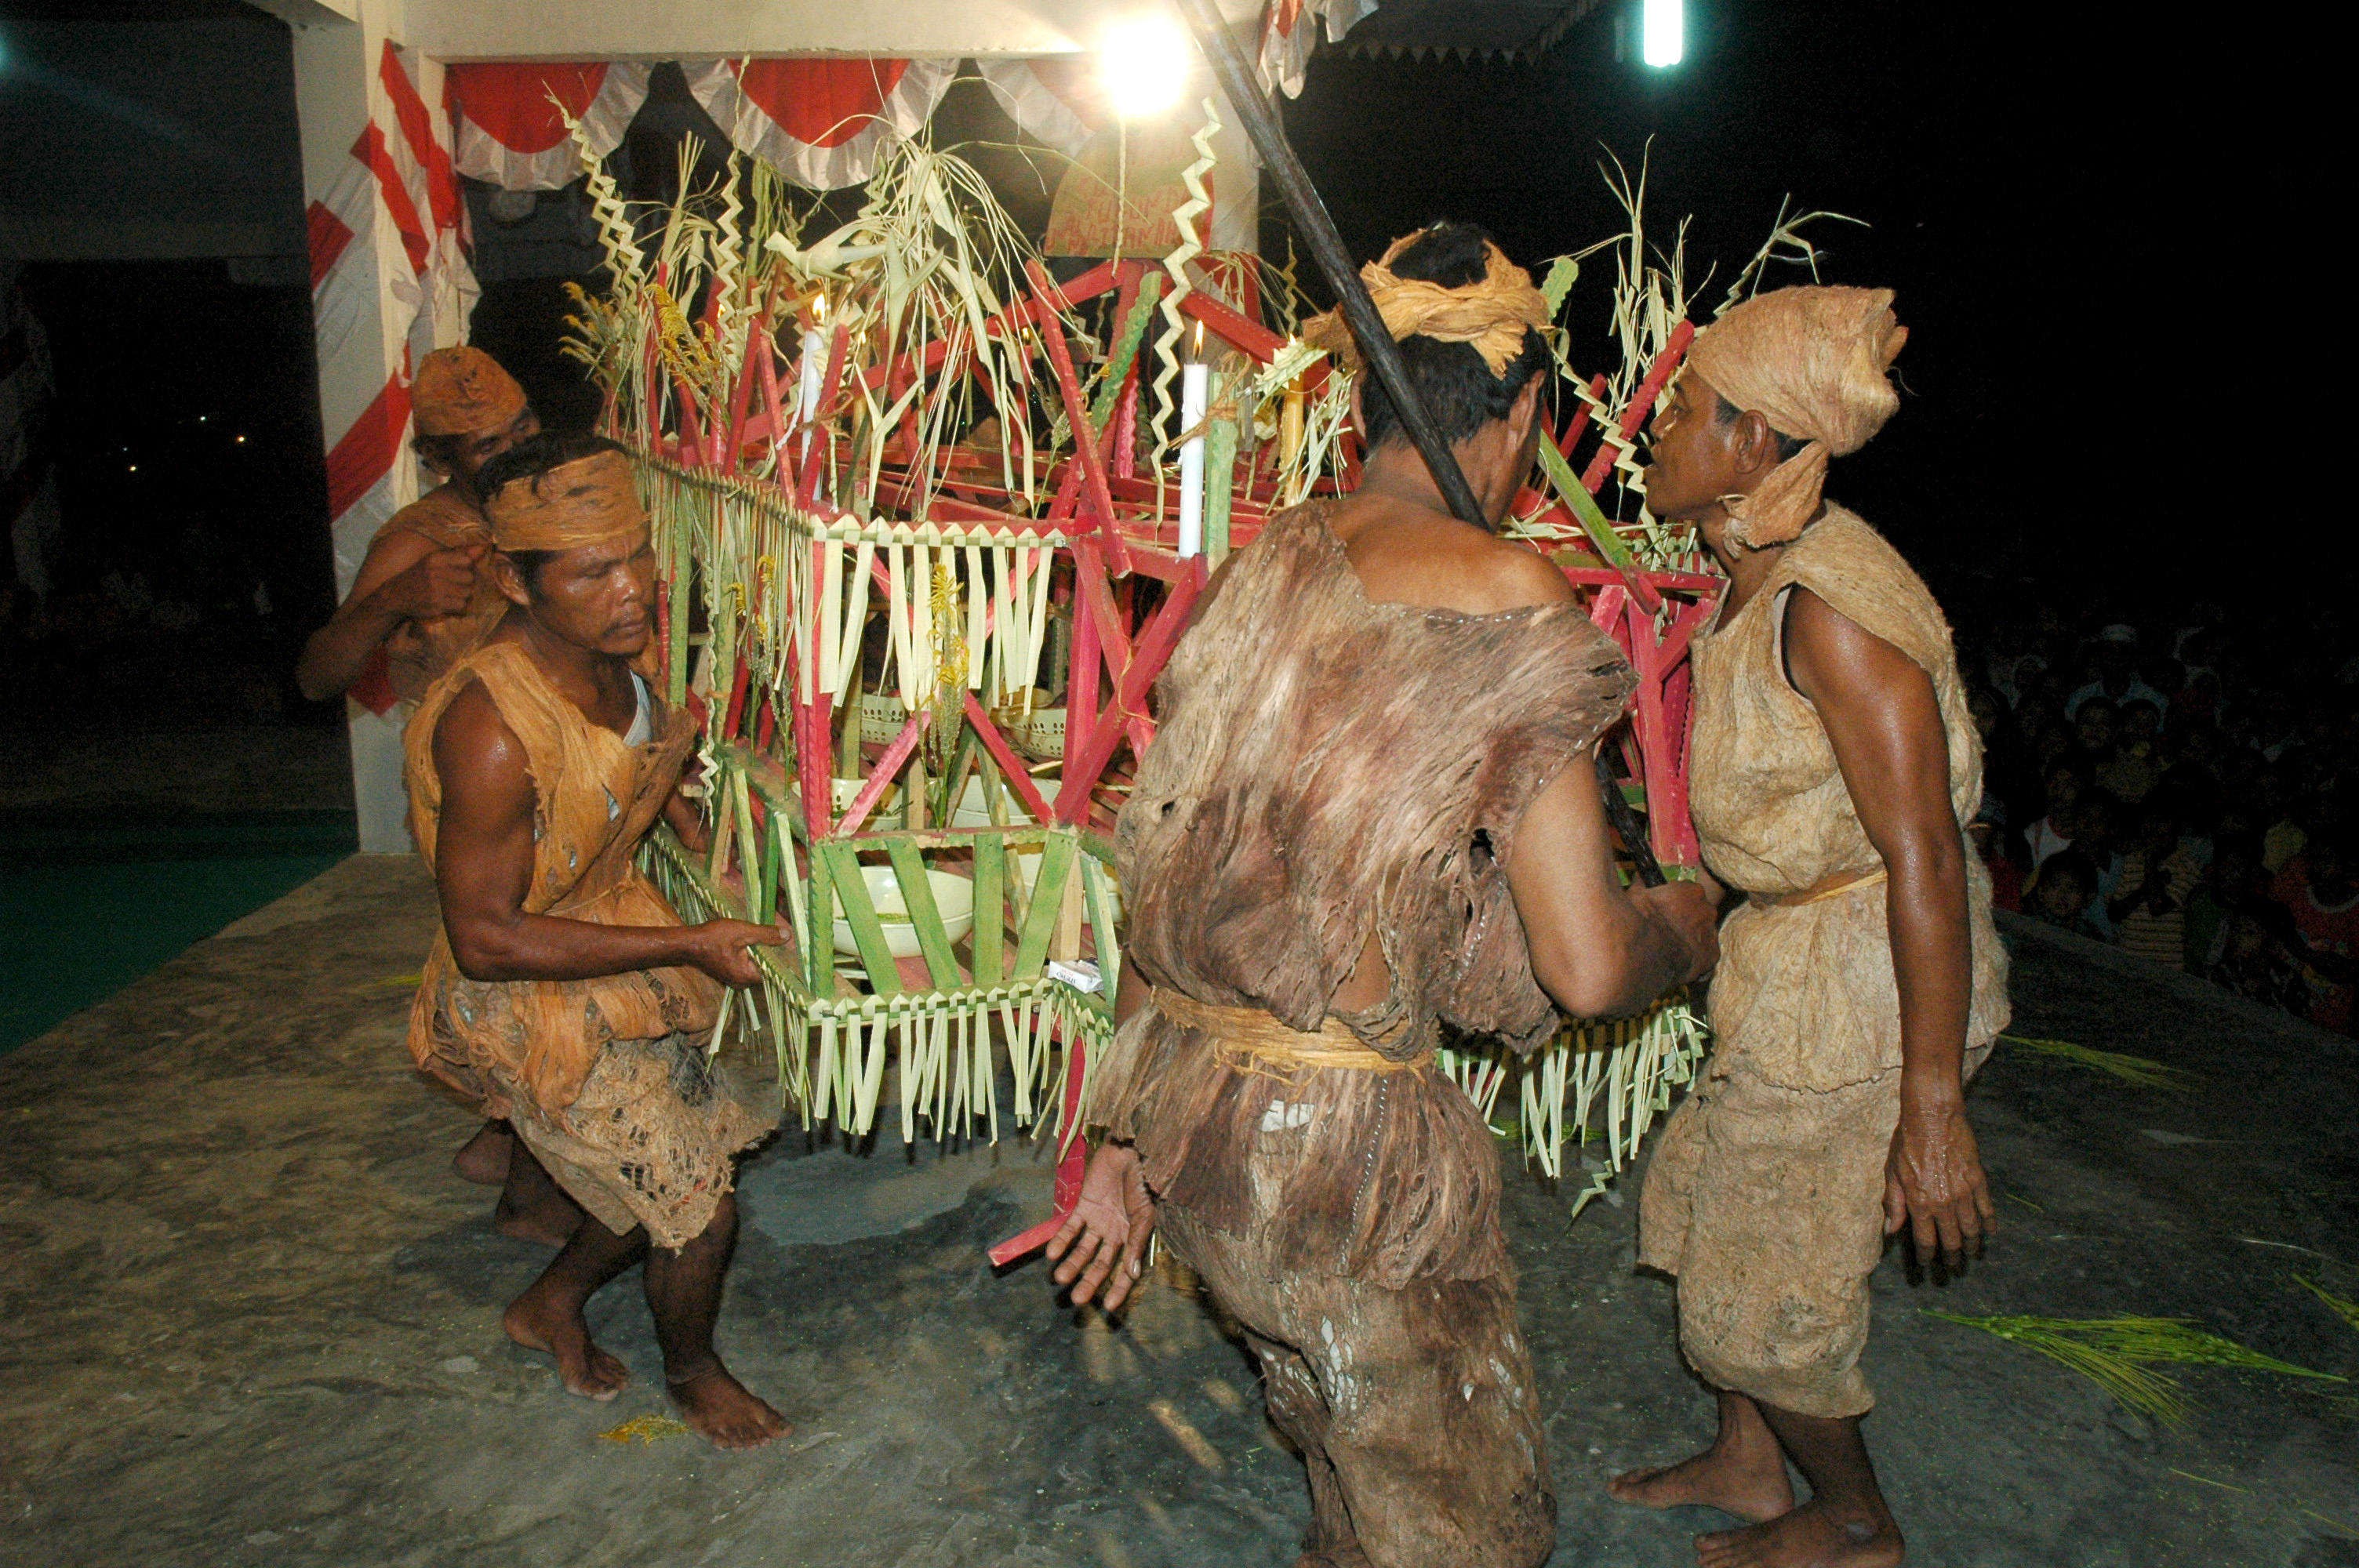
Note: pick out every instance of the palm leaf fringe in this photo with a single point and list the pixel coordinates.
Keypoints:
(2141, 1071)
(2345, 1309)
(2116, 1353)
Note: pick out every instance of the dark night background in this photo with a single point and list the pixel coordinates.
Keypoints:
(2048, 191)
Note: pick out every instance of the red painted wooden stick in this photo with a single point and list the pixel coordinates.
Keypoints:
(1642, 404)
(882, 774)
(1077, 417)
(1020, 777)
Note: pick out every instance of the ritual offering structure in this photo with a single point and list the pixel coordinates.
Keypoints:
(928, 524)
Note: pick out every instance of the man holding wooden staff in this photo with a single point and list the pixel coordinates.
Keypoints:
(1370, 812)
(1833, 770)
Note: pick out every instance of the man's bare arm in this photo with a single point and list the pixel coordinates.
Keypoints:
(405, 577)
(1884, 723)
(1598, 948)
(483, 864)
(1102, 1241)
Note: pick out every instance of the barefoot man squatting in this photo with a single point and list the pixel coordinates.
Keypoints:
(563, 993)
(1834, 766)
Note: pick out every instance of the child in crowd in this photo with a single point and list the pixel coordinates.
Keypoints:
(2318, 889)
(2148, 908)
(2066, 784)
(2131, 770)
(2064, 894)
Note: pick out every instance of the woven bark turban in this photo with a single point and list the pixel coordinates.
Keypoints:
(588, 501)
(1492, 313)
(463, 391)
(1813, 361)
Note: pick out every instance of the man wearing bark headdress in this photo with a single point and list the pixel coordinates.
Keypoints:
(423, 595)
(1370, 815)
(563, 992)
(1833, 769)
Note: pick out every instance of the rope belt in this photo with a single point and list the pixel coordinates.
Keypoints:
(1253, 1041)
(1825, 887)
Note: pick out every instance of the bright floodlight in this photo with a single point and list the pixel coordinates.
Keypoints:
(1664, 32)
(1145, 63)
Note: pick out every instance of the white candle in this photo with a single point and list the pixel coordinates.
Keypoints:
(1195, 384)
(814, 368)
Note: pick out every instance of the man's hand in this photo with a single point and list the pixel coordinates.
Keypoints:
(442, 583)
(1692, 910)
(722, 948)
(1106, 1233)
(1933, 1180)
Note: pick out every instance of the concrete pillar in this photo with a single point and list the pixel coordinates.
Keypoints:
(388, 283)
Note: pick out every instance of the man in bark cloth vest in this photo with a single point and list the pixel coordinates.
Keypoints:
(1370, 813)
(1834, 766)
(563, 994)
(424, 595)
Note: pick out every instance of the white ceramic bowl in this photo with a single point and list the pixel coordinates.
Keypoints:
(954, 896)
(974, 809)
(847, 790)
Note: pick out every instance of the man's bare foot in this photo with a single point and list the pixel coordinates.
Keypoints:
(1744, 1479)
(1812, 1536)
(538, 1322)
(551, 1223)
(484, 1159)
(719, 1408)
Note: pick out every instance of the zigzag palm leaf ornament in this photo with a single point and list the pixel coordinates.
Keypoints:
(1175, 267)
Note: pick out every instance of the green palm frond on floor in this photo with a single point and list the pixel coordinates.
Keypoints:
(2347, 1311)
(2116, 1352)
(2141, 1071)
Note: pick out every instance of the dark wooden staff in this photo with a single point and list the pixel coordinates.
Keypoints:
(1376, 345)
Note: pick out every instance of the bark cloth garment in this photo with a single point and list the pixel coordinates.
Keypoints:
(605, 1080)
(1327, 767)
(1766, 1194)
(419, 653)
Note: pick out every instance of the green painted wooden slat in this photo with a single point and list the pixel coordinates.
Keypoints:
(990, 914)
(868, 931)
(1098, 887)
(918, 900)
(1047, 897)
(766, 897)
(749, 847)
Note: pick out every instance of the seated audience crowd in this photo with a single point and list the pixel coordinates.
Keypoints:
(2158, 789)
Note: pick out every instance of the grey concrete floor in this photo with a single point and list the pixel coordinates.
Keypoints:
(247, 1316)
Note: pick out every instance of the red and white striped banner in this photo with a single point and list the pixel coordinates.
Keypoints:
(819, 121)
(389, 280)
(507, 128)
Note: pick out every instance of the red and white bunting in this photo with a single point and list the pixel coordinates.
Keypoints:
(819, 121)
(507, 128)
(1290, 27)
(1053, 98)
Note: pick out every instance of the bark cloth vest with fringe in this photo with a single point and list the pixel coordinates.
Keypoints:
(1804, 997)
(1327, 768)
(594, 798)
